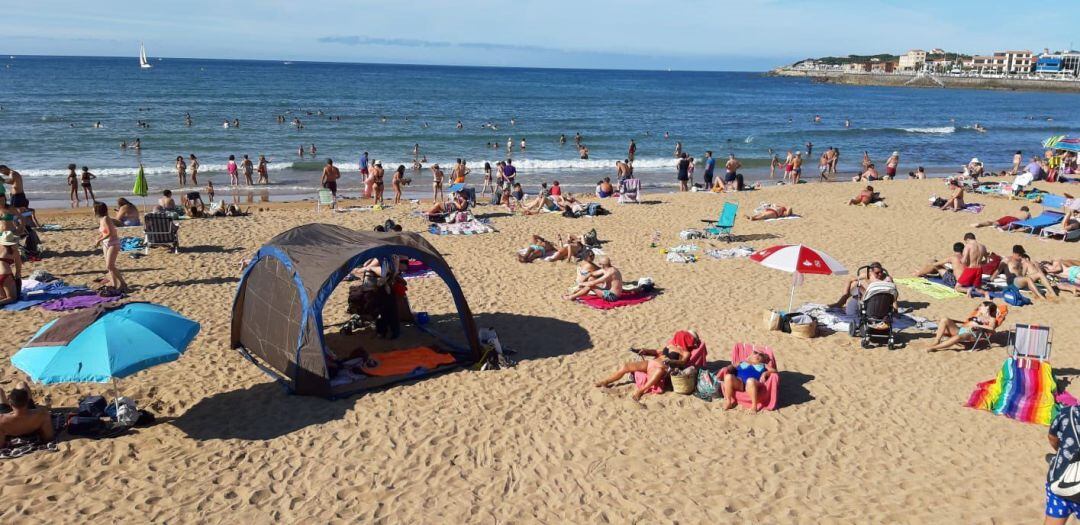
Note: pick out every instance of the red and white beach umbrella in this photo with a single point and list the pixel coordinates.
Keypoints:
(798, 260)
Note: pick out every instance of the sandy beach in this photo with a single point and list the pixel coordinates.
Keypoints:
(861, 436)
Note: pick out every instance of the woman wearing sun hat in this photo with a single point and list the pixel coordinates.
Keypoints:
(685, 348)
(10, 268)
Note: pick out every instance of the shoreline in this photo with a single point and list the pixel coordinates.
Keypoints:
(916, 81)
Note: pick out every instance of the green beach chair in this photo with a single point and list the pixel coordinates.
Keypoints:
(326, 198)
(724, 225)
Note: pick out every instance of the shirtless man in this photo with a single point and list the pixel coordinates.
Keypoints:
(18, 194)
(620, 170)
(330, 175)
(437, 194)
(796, 167)
(972, 259)
(19, 417)
(935, 268)
(1020, 272)
(891, 164)
(731, 168)
(1006, 220)
(606, 283)
(166, 201)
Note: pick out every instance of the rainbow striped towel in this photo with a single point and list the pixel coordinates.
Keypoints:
(1023, 390)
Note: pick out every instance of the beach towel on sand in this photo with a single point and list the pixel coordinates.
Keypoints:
(473, 227)
(626, 299)
(408, 361)
(78, 302)
(417, 270)
(47, 292)
(926, 287)
(130, 244)
(1023, 390)
(839, 321)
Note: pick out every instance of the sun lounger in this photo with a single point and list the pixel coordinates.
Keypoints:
(725, 222)
(1031, 341)
(771, 385)
(160, 229)
(1051, 215)
(1058, 230)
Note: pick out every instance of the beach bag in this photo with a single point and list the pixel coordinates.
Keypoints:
(592, 209)
(937, 202)
(684, 381)
(590, 239)
(84, 426)
(708, 385)
(804, 330)
(948, 278)
(92, 406)
(772, 320)
(1067, 485)
(645, 285)
(123, 411)
(1012, 296)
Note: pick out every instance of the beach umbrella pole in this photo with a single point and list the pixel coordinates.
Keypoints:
(116, 399)
(791, 297)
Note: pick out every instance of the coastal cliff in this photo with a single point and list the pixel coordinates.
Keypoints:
(936, 81)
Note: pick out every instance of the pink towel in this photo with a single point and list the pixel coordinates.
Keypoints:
(626, 299)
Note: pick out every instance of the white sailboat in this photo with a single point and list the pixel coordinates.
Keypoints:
(143, 62)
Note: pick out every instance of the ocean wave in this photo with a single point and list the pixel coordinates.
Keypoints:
(147, 170)
(935, 130)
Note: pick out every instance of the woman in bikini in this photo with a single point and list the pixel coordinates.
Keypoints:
(88, 191)
(397, 181)
(747, 376)
(487, 180)
(110, 243)
(377, 183)
(126, 213)
(10, 268)
(675, 353)
(568, 251)
(951, 331)
(585, 268)
(539, 248)
(231, 168)
(181, 170)
(73, 184)
(264, 175)
(193, 165)
(769, 211)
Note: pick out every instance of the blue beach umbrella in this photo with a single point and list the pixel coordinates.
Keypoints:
(1063, 142)
(116, 343)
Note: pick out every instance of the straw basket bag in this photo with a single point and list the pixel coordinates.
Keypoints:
(684, 381)
(804, 331)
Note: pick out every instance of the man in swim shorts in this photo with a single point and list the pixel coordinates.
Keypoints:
(1006, 220)
(972, 259)
(18, 194)
(330, 175)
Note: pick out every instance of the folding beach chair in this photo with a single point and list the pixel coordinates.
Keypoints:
(1058, 230)
(726, 222)
(982, 337)
(630, 191)
(326, 198)
(160, 229)
(1032, 341)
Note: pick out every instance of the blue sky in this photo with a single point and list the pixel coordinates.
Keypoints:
(677, 34)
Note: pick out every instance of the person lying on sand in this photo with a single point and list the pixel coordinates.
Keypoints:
(770, 211)
(1006, 220)
(572, 249)
(864, 198)
(936, 268)
(747, 376)
(539, 248)
(606, 283)
(658, 363)
(951, 332)
(1067, 272)
(956, 201)
(19, 417)
(1070, 222)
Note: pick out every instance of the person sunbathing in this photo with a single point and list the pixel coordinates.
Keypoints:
(956, 201)
(770, 211)
(856, 286)
(546, 202)
(1067, 272)
(19, 417)
(585, 267)
(1006, 220)
(658, 363)
(747, 376)
(604, 189)
(126, 213)
(459, 204)
(938, 268)
(605, 283)
(864, 198)
(572, 248)
(951, 332)
(539, 248)
(1070, 222)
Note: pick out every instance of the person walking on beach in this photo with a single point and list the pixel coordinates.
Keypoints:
(365, 175)
(823, 165)
(264, 175)
(398, 180)
(181, 170)
(891, 164)
(774, 162)
(787, 165)
(437, 186)
(88, 192)
(230, 167)
(631, 151)
(377, 185)
(683, 172)
(835, 160)
(249, 168)
(193, 165)
(330, 175)
(110, 243)
(710, 165)
(73, 185)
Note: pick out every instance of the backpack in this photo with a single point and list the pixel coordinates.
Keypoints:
(1013, 297)
(590, 239)
(92, 406)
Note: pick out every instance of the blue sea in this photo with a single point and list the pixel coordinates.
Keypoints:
(50, 106)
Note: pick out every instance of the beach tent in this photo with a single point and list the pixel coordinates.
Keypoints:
(277, 313)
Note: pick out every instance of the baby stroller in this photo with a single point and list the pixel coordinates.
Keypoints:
(875, 319)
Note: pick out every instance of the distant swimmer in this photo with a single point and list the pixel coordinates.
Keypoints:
(416, 151)
(523, 144)
(300, 151)
(236, 123)
(313, 150)
(583, 152)
(512, 121)
(509, 143)
(809, 148)
(678, 149)
(460, 125)
(847, 123)
(817, 120)
(667, 135)
(577, 138)
(225, 124)
(138, 144)
(123, 144)
(562, 138)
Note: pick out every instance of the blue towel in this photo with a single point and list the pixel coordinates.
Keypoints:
(130, 244)
(48, 292)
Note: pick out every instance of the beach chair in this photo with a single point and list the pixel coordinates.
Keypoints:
(326, 198)
(160, 229)
(725, 223)
(1050, 216)
(771, 386)
(982, 337)
(630, 191)
(1059, 230)
(1030, 341)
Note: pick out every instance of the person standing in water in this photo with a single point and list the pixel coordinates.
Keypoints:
(264, 176)
(73, 185)
(631, 151)
(300, 151)
(193, 165)
(230, 167)
(181, 170)
(683, 172)
(398, 180)
(88, 192)
(710, 166)
(249, 168)
(809, 149)
(18, 193)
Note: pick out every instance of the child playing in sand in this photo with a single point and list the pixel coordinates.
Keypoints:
(88, 192)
